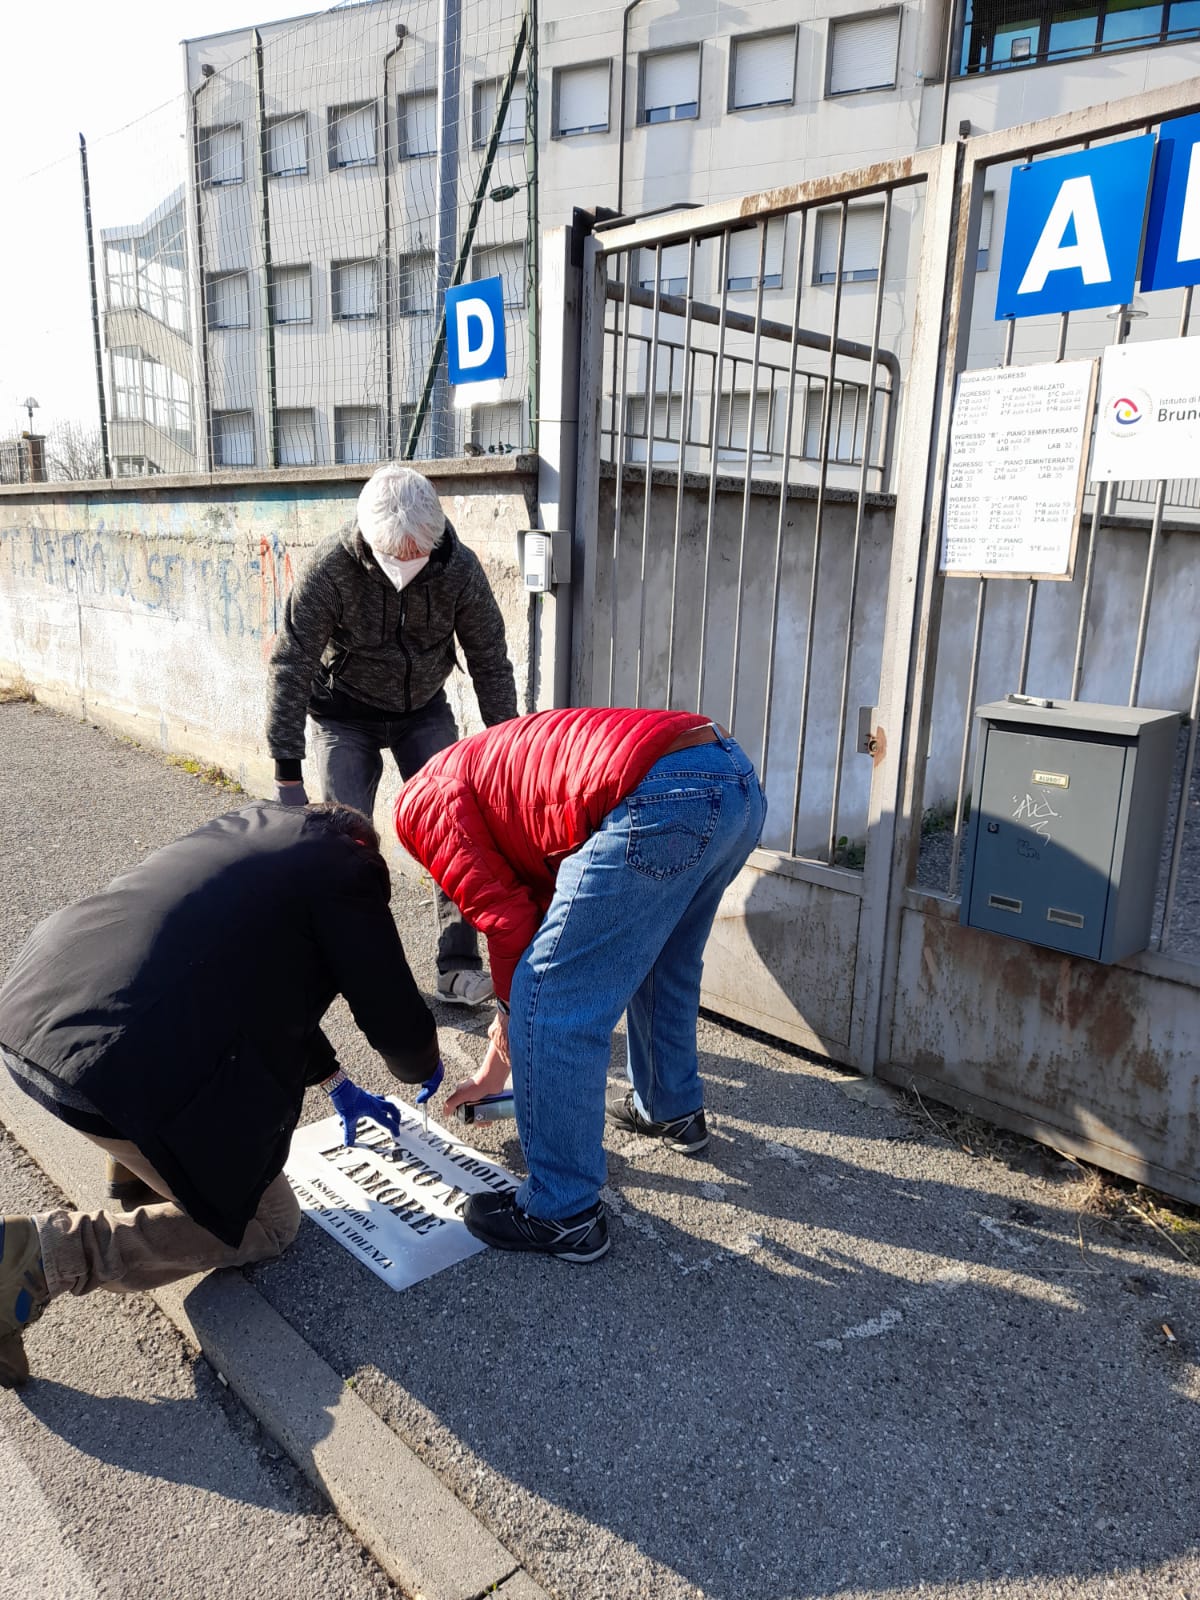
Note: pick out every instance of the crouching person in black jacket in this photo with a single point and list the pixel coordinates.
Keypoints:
(174, 1020)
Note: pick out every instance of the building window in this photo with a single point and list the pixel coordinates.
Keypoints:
(355, 434)
(733, 422)
(1002, 34)
(221, 156)
(665, 443)
(297, 440)
(762, 70)
(120, 267)
(745, 248)
(233, 439)
(229, 300)
(581, 98)
(669, 85)
(355, 287)
(134, 467)
(287, 146)
(352, 136)
(290, 292)
(147, 270)
(506, 262)
(863, 52)
(672, 269)
(416, 125)
(860, 253)
(415, 291)
(486, 107)
(144, 390)
(847, 422)
(498, 430)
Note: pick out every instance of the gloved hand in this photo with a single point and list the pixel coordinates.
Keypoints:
(432, 1084)
(291, 793)
(350, 1102)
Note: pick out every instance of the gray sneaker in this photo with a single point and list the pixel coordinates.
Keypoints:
(688, 1135)
(465, 988)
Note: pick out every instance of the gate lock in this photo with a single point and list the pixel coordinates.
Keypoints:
(868, 742)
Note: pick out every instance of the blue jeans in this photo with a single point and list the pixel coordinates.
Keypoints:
(626, 931)
(349, 757)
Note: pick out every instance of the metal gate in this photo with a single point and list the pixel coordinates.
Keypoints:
(763, 429)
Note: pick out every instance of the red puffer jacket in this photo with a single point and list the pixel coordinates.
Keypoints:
(492, 816)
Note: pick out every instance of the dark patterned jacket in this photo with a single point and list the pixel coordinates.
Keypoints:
(352, 645)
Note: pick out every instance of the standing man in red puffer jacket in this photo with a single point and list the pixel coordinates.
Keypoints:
(591, 847)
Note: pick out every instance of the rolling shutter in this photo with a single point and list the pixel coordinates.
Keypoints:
(864, 52)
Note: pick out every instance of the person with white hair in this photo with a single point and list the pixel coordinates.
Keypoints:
(370, 634)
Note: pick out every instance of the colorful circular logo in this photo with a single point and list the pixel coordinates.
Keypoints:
(1130, 408)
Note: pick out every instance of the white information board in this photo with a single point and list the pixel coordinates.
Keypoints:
(394, 1204)
(1148, 416)
(1014, 480)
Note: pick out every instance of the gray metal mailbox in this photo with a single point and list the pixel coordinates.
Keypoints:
(1067, 819)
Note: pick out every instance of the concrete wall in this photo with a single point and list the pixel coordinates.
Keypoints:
(151, 610)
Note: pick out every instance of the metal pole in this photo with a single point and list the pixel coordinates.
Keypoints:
(96, 343)
(389, 134)
(449, 116)
(264, 222)
(533, 246)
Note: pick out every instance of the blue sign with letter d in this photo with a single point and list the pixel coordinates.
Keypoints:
(475, 349)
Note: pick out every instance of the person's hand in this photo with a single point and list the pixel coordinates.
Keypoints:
(432, 1084)
(350, 1102)
(490, 1079)
(290, 792)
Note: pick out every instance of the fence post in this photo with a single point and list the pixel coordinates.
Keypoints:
(557, 402)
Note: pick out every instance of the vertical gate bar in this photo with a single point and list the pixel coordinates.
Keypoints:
(968, 721)
(585, 544)
(651, 406)
(781, 518)
(1089, 565)
(619, 467)
(714, 413)
(751, 418)
(856, 543)
(685, 416)
(1031, 597)
(1181, 813)
(818, 517)
(1152, 554)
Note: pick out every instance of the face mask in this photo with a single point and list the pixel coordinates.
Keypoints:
(400, 573)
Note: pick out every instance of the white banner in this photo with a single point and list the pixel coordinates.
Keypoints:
(1148, 418)
(1014, 480)
(396, 1205)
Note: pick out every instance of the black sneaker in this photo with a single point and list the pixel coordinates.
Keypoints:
(688, 1135)
(498, 1220)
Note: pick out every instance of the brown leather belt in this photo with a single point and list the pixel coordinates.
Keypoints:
(705, 735)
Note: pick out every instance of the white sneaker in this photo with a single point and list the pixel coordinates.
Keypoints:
(465, 988)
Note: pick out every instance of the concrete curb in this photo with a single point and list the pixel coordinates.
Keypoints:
(424, 1538)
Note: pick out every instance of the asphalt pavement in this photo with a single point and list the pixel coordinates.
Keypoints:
(840, 1357)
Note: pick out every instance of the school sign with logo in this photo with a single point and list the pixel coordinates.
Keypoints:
(1073, 237)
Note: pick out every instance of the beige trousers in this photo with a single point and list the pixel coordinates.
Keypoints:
(86, 1250)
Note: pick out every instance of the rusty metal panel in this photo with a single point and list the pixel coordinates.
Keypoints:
(1099, 1061)
(781, 957)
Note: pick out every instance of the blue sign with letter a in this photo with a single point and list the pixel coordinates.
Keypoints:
(1073, 230)
(1172, 255)
(475, 348)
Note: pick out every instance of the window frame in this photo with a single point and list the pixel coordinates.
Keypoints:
(289, 322)
(307, 411)
(1043, 22)
(403, 153)
(479, 138)
(335, 290)
(556, 99)
(235, 466)
(338, 414)
(644, 56)
(825, 216)
(731, 105)
(403, 262)
(274, 122)
(834, 23)
(743, 284)
(207, 181)
(334, 115)
(522, 277)
(210, 285)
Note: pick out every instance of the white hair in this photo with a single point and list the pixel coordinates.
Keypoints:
(399, 508)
